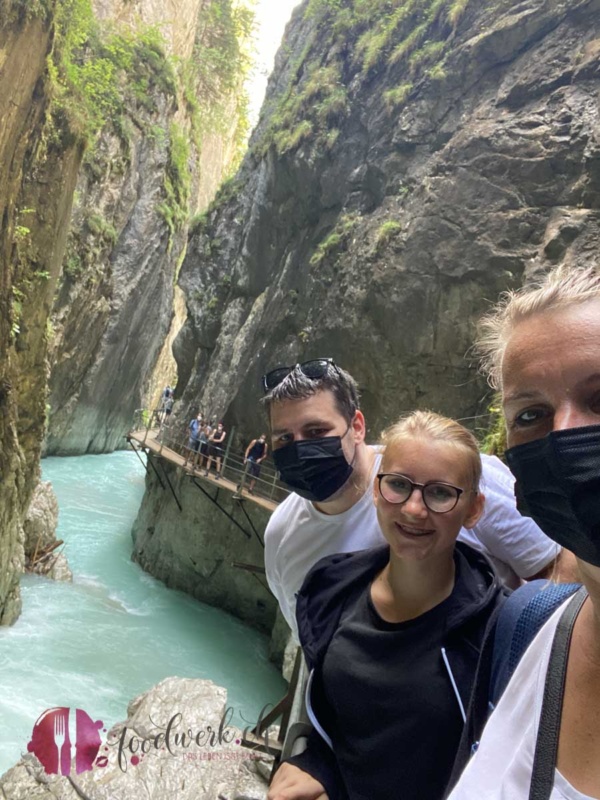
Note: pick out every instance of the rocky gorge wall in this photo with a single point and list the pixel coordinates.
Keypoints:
(412, 160)
(196, 546)
(39, 160)
(177, 19)
(166, 141)
(382, 248)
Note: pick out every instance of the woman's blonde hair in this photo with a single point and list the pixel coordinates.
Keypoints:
(562, 287)
(428, 424)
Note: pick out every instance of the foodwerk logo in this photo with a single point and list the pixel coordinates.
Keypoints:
(60, 735)
(63, 734)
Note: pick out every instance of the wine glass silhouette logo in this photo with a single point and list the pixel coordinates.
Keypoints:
(62, 734)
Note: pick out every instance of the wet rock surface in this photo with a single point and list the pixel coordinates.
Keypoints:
(42, 518)
(194, 549)
(42, 555)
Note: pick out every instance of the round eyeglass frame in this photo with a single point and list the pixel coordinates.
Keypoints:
(422, 487)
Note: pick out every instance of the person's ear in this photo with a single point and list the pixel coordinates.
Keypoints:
(475, 510)
(359, 427)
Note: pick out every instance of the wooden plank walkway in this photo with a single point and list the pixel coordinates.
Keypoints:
(149, 441)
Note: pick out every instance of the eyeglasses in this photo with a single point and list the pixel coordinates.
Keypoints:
(310, 369)
(437, 497)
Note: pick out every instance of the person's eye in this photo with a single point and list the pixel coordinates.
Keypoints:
(284, 438)
(317, 433)
(399, 485)
(437, 491)
(595, 404)
(528, 417)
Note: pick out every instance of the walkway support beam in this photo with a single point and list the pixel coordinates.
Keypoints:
(214, 500)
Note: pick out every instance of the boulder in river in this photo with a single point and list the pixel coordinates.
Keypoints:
(40, 542)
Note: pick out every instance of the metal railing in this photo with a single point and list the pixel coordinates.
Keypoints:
(233, 466)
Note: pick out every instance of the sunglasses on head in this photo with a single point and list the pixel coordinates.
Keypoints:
(315, 369)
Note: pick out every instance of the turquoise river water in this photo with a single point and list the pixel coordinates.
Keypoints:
(115, 631)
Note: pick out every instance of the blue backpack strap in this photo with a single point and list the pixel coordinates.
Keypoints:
(520, 618)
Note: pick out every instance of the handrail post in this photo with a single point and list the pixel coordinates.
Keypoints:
(148, 424)
(161, 432)
(227, 449)
(274, 484)
(186, 451)
(242, 483)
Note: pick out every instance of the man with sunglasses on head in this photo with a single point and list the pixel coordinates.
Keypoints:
(318, 440)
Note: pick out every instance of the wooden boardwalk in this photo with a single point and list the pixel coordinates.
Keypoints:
(148, 440)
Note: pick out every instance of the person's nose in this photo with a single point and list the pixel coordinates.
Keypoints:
(414, 506)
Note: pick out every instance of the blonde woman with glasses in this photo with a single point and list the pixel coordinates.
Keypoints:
(392, 635)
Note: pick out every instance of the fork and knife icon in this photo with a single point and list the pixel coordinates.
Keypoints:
(65, 726)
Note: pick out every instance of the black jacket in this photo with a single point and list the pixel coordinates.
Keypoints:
(339, 579)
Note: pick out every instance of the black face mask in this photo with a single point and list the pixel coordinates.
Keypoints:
(558, 485)
(313, 468)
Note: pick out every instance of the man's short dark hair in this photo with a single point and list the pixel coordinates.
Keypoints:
(296, 386)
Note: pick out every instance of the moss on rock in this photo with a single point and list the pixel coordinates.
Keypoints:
(383, 38)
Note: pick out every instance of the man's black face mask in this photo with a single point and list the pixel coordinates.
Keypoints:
(313, 468)
(558, 485)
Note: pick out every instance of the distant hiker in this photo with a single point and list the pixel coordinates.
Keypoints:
(216, 448)
(205, 431)
(256, 452)
(166, 395)
(168, 408)
(194, 428)
(161, 413)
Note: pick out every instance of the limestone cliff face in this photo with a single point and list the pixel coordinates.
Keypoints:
(410, 164)
(177, 19)
(147, 171)
(114, 307)
(37, 179)
(382, 246)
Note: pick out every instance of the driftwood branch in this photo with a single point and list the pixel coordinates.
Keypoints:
(43, 560)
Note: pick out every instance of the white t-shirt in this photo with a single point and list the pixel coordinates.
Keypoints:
(297, 536)
(501, 767)
(515, 545)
